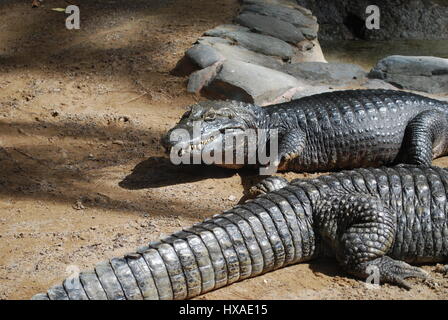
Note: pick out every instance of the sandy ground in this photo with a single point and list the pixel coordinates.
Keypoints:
(82, 175)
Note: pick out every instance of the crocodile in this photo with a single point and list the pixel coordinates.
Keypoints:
(324, 132)
(386, 219)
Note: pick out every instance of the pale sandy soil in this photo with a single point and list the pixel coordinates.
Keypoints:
(82, 175)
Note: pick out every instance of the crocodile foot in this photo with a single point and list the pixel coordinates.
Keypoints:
(395, 271)
(269, 184)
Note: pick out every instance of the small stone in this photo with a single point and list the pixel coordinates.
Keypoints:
(118, 142)
(78, 205)
(232, 198)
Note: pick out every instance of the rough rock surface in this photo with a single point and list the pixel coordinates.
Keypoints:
(400, 19)
(247, 60)
(319, 72)
(259, 43)
(429, 74)
(248, 82)
(235, 52)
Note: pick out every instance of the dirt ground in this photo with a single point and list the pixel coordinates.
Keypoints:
(82, 175)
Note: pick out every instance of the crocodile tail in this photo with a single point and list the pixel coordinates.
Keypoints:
(244, 242)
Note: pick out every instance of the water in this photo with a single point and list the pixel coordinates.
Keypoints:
(367, 53)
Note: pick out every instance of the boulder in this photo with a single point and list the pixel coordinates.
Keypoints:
(428, 74)
(223, 29)
(259, 43)
(197, 57)
(248, 82)
(204, 55)
(283, 13)
(331, 73)
(201, 78)
(308, 51)
(286, 3)
(277, 28)
(235, 52)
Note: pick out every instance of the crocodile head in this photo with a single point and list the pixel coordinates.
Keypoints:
(206, 127)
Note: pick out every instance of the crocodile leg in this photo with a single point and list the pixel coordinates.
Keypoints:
(291, 144)
(425, 138)
(362, 236)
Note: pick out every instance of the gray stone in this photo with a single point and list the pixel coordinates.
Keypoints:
(428, 74)
(377, 84)
(308, 51)
(204, 55)
(256, 42)
(310, 32)
(309, 91)
(319, 72)
(202, 78)
(242, 81)
(286, 3)
(271, 26)
(234, 52)
(286, 14)
(222, 30)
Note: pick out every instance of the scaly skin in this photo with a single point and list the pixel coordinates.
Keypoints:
(336, 130)
(385, 218)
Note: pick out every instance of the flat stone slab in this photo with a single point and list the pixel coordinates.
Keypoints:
(422, 73)
(247, 82)
(295, 17)
(201, 78)
(223, 29)
(256, 42)
(235, 52)
(203, 55)
(286, 3)
(334, 73)
(271, 26)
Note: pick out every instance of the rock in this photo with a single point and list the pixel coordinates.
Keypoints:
(197, 57)
(271, 26)
(286, 3)
(202, 78)
(283, 13)
(309, 51)
(399, 19)
(428, 74)
(309, 91)
(222, 30)
(235, 52)
(204, 56)
(256, 42)
(247, 82)
(331, 73)
(377, 84)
